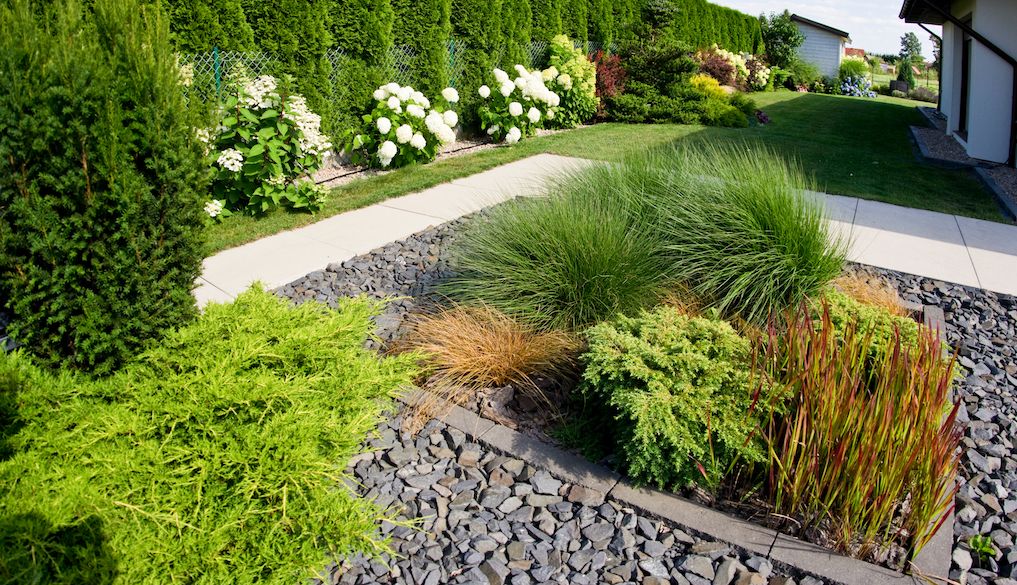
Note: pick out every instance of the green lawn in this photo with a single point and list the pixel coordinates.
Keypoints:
(853, 146)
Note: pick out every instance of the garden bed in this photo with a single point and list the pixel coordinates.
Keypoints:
(979, 325)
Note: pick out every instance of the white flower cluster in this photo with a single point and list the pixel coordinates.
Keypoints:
(530, 84)
(312, 141)
(214, 207)
(520, 103)
(260, 93)
(736, 60)
(231, 160)
(399, 99)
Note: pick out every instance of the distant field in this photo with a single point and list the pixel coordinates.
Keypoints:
(931, 82)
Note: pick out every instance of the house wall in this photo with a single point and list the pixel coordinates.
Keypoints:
(821, 48)
(990, 100)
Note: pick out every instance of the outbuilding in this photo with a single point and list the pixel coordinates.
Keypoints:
(823, 46)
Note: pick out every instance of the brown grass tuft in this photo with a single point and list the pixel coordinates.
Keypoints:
(472, 348)
(871, 289)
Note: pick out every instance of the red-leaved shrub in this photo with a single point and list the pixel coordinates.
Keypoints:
(718, 68)
(610, 78)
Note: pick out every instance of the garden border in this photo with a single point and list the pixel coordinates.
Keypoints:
(786, 552)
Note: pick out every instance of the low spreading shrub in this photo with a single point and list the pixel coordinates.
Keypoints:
(405, 127)
(563, 262)
(874, 320)
(871, 290)
(265, 147)
(744, 104)
(737, 227)
(514, 109)
(868, 448)
(678, 393)
(102, 181)
(923, 94)
(216, 456)
(718, 112)
(899, 94)
(708, 86)
(573, 77)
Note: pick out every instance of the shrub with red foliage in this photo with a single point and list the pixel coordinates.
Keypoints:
(610, 78)
(718, 68)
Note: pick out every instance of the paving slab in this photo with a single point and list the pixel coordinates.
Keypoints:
(448, 201)
(205, 292)
(362, 230)
(836, 207)
(993, 250)
(524, 177)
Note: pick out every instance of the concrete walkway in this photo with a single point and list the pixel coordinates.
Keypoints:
(946, 247)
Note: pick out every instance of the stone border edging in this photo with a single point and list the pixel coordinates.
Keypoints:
(709, 523)
(997, 191)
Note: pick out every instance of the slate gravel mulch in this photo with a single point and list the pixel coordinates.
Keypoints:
(981, 325)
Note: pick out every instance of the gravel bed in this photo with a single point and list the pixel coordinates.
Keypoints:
(981, 326)
(942, 147)
(1006, 178)
(489, 519)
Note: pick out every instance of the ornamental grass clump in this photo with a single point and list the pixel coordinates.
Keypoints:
(679, 396)
(562, 262)
(737, 226)
(405, 127)
(217, 456)
(868, 448)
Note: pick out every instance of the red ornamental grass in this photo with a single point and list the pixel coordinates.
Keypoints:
(867, 447)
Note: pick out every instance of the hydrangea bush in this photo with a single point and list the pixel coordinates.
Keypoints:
(515, 108)
(735, 62)
(267, 144)
(857, 87)
(405, 127)
(759, 74)
(574, 78)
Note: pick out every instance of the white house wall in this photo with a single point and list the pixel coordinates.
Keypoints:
(821, 48)
(992, 81)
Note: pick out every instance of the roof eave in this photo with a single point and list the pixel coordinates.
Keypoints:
(919, 12)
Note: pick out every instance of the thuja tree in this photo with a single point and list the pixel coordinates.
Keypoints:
(362, 29)
(601, 22)
(101, 181)
(516, 24)
(296, 33)
(477, 28)
(423, 27)
(575, 20)
(198, 26)
(546, 19)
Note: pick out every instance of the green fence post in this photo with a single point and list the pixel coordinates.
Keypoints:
(218, 73)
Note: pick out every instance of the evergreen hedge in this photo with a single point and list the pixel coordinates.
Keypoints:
(516, 25)
(701, 24)
(575, 20)
(600, 21)
(199, 26)
(476, 25)
(363, 29)
(101, 181)
(546, 19)
(424, 27)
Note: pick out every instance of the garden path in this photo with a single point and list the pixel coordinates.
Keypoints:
(936, 245)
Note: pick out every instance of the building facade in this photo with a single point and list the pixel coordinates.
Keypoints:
(823, 46)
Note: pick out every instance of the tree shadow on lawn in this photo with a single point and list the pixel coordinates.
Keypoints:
(33, 550)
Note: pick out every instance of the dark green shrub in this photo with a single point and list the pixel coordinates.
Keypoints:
(744, 103)
(516, 23)
(720, 113)
(575, 23)
(802, 74)
(781, 37)
(680, 394)
(883, 326)
(296, 33)
(423, 27)
(476, 26)
(546, 19)
(601, 23)
(628, 107)
(101, 181)
(215, 457)
(198, 26)
(363, 30)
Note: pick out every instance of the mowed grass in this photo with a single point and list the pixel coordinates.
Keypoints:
(852, 146)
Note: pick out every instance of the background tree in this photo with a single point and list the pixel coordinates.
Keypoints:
(546, 19)
(516, 24)
(910, 55)
(937, 53)
(424, 27)
(362, 29)
(575, 20)
(198, 26)
(476, 26)
(781, 38)
(601, 21)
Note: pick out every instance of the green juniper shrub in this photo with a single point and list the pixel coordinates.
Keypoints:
(721, 113)
(101, 181)
(363, 30)
(601, 22)
(680, 392)
(883, 326)
(565, 261)
(424, 28)
(575, 20)
(217, 456)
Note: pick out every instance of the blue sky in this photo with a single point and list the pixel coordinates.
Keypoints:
(873, 24)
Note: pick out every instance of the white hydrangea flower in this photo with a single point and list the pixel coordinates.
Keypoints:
(553, 99)
(565, 80)
(507, 88)
(394, 103)
(405, 93)
(516, 109)
(387, 152)
(450, 118)
(231, 160)
(415, 111)
(418, 97)
(549, 73)
(204, 135)
(446, 135)
(549, 115)
(493, 129)
(484, 91)
(450, 94)
(214, 207)
(404, 133)
(380, 94)
(500, 76)
(418, 141)
(520, 82)
(534, 115)
(260, 93)
(513, 135)
(276, 181)
(434, 121)
(522, 71)
(312, 140)
(391, 87)
(384, 125)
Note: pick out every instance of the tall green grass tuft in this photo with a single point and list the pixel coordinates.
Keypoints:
(566, 261)
(216, 457)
